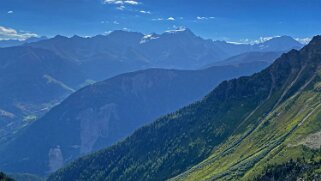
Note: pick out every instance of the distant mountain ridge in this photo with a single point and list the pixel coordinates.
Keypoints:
(264, 57)
(103, 56)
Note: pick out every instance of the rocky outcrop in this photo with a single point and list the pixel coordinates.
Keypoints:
(95, 124)
(56, 159)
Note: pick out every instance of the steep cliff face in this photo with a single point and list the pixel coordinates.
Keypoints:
(95, 124)
(234, 133)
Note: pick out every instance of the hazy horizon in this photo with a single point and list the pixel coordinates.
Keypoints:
(244, 21)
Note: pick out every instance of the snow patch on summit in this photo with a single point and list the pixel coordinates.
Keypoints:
(148, 38)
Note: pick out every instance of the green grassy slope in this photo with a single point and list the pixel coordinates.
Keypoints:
(235, 132)
(281, 135)
(275, 141)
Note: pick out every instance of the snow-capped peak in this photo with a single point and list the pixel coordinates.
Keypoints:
(149, 37)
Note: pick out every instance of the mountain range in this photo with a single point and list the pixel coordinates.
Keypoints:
(101, 57)
(36, 77)
(48, 70)
(248, 128)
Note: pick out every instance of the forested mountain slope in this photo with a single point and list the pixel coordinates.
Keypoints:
(233, 133)
(101, 114)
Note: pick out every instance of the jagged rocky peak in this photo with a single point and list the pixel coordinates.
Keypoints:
(314, 45)
(126, 37)
(312, 51)
(60, 37)
(123, 34)
(76, 37)
(309, 51)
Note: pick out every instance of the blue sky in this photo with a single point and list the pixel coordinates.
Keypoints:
(231, 20)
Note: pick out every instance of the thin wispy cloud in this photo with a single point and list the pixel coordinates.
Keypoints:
(171, 19)
(122, 2)
(145, 12)
(264, 39)
(158, 19)
(10, 12)
(167, 19)
(304, 41)
(204, 17)
(107, 32)
(162, 19)
(121, 8)
(12, 34)
(116, 22)
(131, 2)
(257, 41)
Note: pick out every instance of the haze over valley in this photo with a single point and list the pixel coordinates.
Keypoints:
(109, 90)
